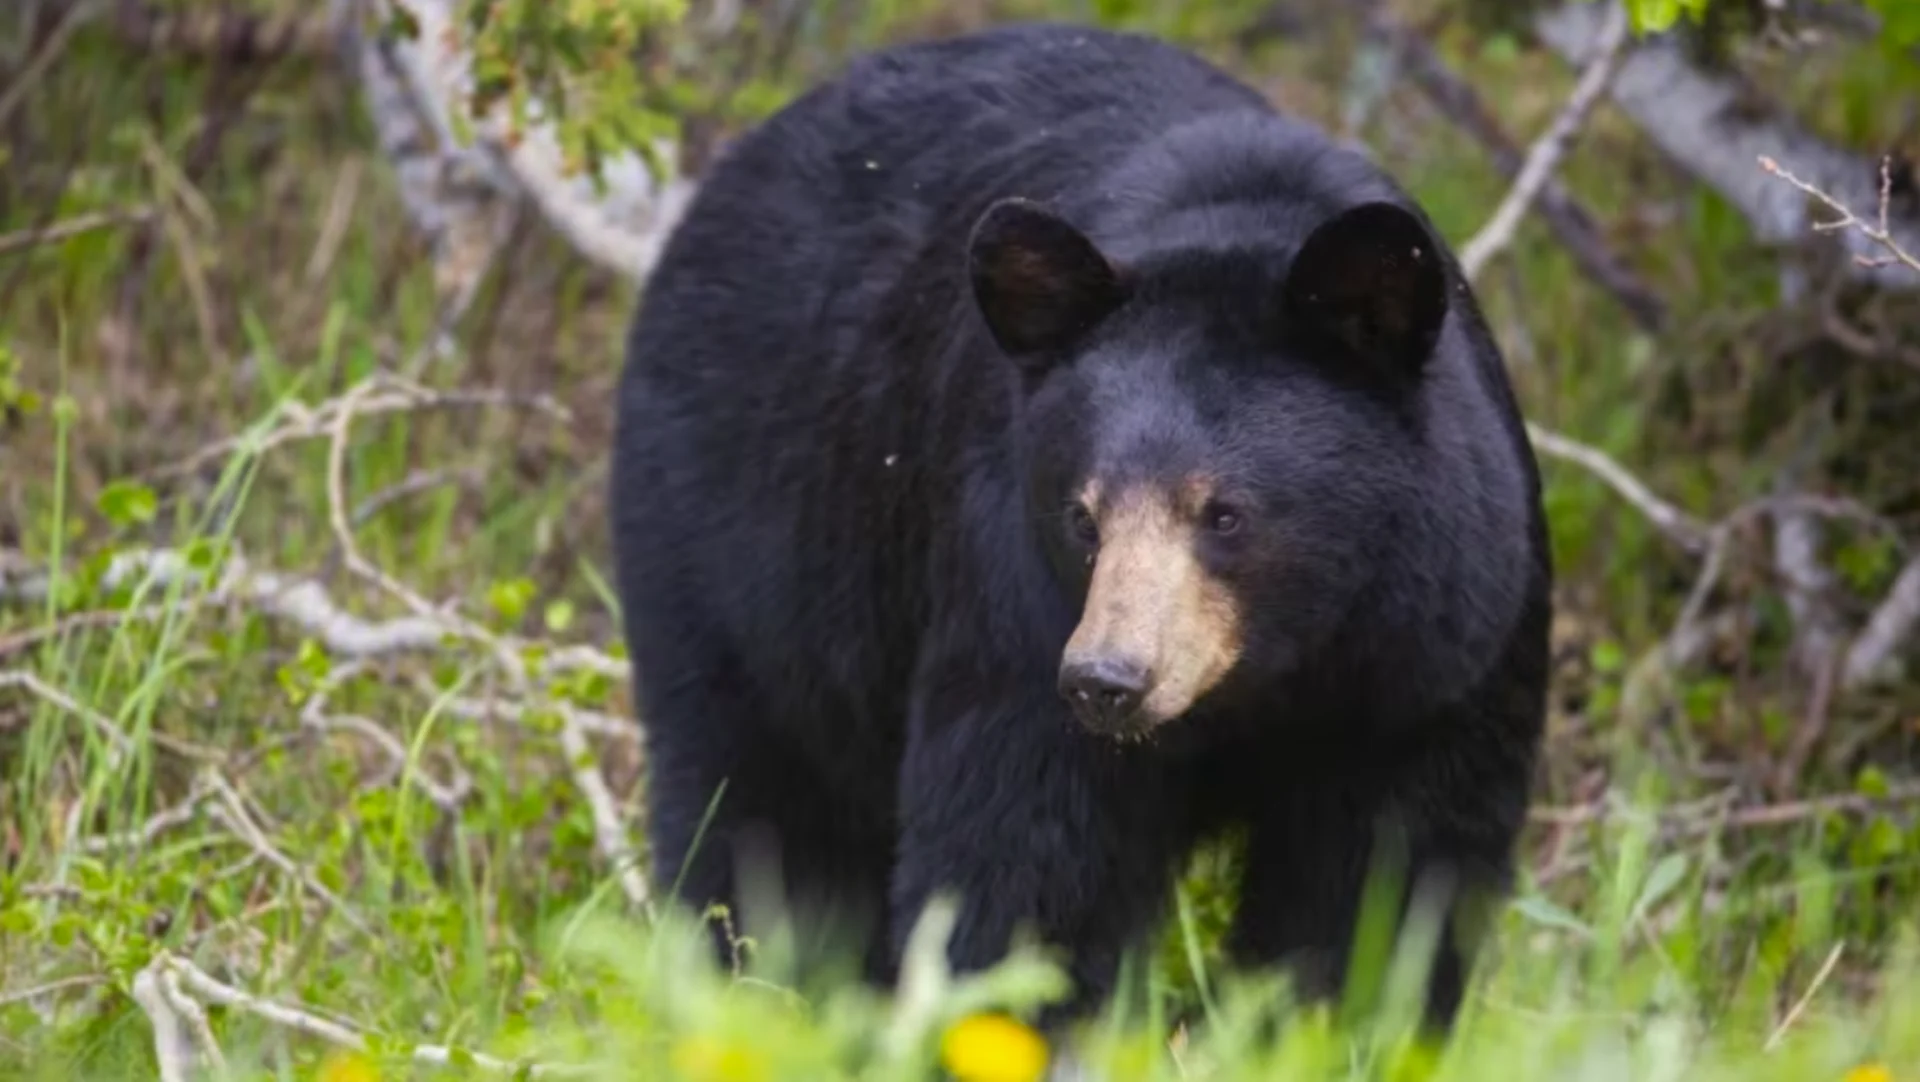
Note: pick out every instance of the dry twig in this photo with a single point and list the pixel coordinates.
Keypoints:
(609, 827)
(1879, 232)
(1682, 528)
(1719, 812)
(1800, 1005)
(79, 224)
(1572, 224)
(195, 982)
(173, 1042)
(1898, 615)
(36, 69)
(383, 395)
(1546, 154)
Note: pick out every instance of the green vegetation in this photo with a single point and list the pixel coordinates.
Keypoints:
(1725, 874)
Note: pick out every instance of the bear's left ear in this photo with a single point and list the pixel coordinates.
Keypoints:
(1370, 281)
(1040, 283)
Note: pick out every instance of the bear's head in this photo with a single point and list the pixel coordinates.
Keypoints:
(1224, 438)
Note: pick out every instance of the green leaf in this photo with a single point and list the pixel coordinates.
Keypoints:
(510, 598)
(1872, 782)
(1538, 909)
(1653, 16)
(1899, 21)
(128, 503)
(1665, 876)
(1656, 16)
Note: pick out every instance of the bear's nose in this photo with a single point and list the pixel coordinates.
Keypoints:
(1104, 690)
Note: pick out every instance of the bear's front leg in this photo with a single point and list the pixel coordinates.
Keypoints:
(1033, 823)
(1446, 822)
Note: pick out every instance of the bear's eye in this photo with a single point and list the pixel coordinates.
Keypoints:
(1222, 519)
(1080, 521)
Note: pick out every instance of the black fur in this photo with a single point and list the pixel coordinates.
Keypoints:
(856, 401)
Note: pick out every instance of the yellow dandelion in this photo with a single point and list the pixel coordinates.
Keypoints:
(1868, 1072)
(711, 1060)
(347, 1067)
(993, 1048)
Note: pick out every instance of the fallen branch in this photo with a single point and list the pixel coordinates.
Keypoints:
(1704, 122)
(306, 605)
(414, 83)
(78, 225)
(1796, 551)
(1800, 1005)
(148, 832)
(173, 1043)
(1679, 526)
(1887, 631)
(21, 641)
(609, 830)
(1880, 234)
(596, 723)
(610, 835)
(1718, 812)
(1572, 225)
(1548, 151)
(380, 395)
(121, 744)
(231, 811)
(198, 983)
(314, 715)
(166, 990)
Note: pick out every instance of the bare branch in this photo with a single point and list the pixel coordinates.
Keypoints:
(1680, 527)
(1887, 631)
(1715, 813)
(1881, 234)
(173, 1043)
(384, 394)
(1704, 122)
(610, 726)
(75, 226)
(610, 833)
(121, 744)
(1547, 152)
(157, 824)
(1572, 224)
(84, 980)
(314, 715)
(231, 810)
(195, 1017)
(413, 86)
(1809, 584)
(22, 85)
(1800, 1005)
(197, 982)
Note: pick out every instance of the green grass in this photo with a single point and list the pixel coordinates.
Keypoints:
(320, 872)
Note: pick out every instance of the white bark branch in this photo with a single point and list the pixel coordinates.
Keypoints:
(1546, 154)
(1681, 527)
(1887, 631)
(413, 88)
(1594, 34)
(173, 1045)
(192, 981)
(1695, 118)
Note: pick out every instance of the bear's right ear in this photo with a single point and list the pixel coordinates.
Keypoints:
(1039, 282)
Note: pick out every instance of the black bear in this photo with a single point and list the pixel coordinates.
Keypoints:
(1036, 454)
